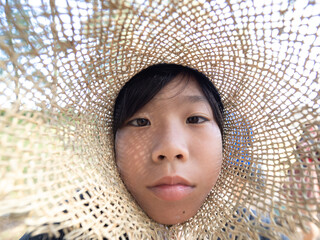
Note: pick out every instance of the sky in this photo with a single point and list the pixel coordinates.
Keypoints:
(302, 67)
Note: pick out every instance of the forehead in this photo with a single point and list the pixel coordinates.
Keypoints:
(180, 86)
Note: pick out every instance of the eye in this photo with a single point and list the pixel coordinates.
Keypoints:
(139, 122)
(196, 120)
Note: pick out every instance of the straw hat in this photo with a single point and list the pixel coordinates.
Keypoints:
(62, 64)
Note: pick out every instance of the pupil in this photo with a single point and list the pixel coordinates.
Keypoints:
(141, 122)
(193, 119)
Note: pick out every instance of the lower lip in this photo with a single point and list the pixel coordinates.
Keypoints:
(172, 192)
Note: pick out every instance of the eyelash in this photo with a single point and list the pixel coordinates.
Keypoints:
(135, 122)
(203, 119)
(142, 122)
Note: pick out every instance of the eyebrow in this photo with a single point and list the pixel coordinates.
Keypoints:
(195, 98)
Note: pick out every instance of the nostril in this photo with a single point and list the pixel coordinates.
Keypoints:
(163, 157)
(179, 156)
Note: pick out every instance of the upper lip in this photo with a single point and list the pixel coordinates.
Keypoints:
(171, 180)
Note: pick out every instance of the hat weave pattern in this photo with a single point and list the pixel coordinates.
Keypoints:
(62, 64)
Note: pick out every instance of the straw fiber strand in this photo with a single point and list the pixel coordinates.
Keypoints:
(62, 64)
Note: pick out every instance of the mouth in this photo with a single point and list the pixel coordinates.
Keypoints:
(171, 188)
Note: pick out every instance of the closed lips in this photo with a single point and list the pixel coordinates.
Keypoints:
(172, 180)
(171, 188)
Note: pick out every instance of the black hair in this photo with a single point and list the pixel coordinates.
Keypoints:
(143, 86)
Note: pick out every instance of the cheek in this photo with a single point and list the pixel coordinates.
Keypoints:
(212, 164)
(210, 171)
(209, 152)
(131, 153)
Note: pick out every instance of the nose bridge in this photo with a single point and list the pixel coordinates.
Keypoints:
(170, 143)
(171, 133)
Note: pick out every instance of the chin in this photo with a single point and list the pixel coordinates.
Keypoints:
(170, 219)
(175, 220)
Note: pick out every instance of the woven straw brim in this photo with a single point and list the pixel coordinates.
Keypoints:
(62, 65)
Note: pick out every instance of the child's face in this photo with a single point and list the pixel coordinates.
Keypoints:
(169, 153)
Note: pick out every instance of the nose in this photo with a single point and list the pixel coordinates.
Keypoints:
(170, 144)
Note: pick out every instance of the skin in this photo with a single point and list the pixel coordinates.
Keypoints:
(303, 183)
(304, 178)
(175, 134)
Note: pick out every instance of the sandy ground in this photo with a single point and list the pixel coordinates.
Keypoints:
(11, 230)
